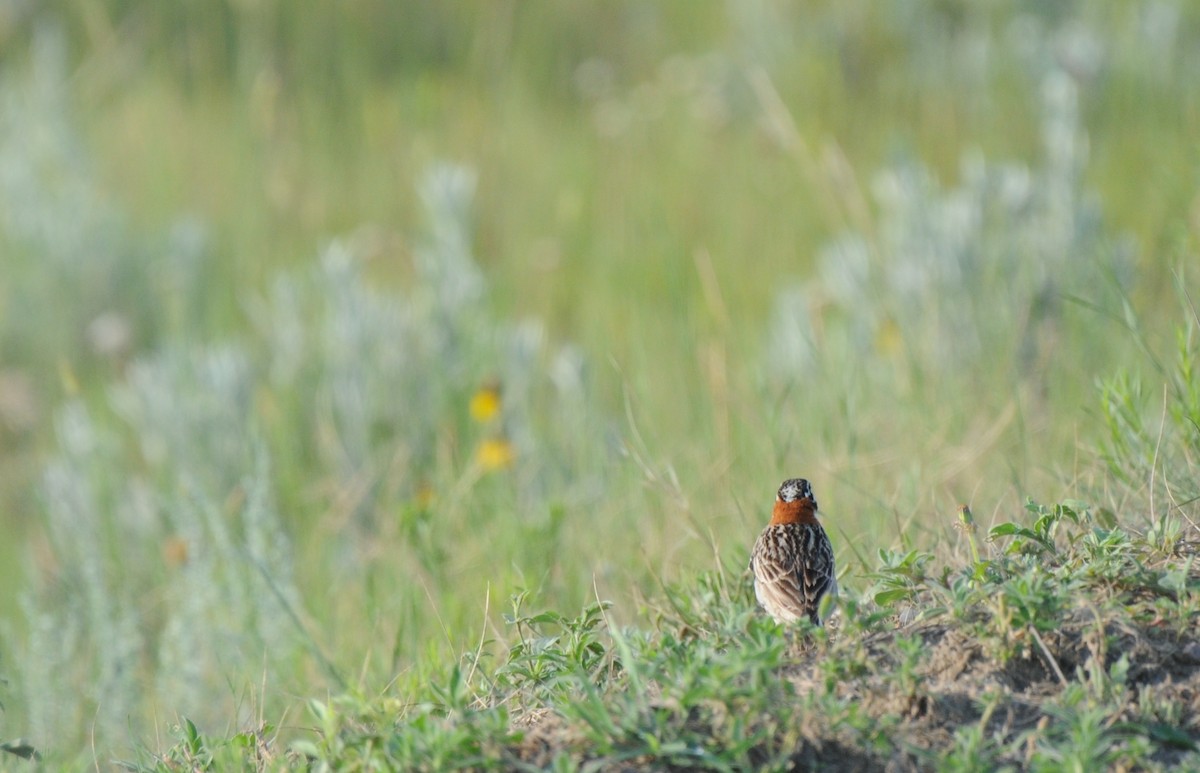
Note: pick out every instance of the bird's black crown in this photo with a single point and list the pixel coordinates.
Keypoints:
(794, 489)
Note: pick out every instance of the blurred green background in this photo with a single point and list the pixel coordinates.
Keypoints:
(699, 248)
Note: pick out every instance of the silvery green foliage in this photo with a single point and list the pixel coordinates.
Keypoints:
(224, 615)
(373, 366)
(60, 239)
(45, 169)
(386, 374)
(181, 465)
(75, 280)
(172, 571)
(169, 571)
(98, 660)
(52, 666)
(216, 387)
(447, 269)
(951, 276)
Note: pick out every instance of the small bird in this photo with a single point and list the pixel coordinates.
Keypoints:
(792, 560)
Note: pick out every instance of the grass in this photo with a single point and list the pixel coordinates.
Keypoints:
(307, 367)
(1071, 645)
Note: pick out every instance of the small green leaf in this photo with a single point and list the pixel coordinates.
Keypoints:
(191, 737)
(1171, 736)
(825, 607)
(318, 709)
(888, 597)
(305, 748)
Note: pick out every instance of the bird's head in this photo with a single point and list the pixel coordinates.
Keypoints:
(795, 503)
(795, 489)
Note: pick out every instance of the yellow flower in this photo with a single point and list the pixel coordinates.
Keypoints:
(66, 375)
(495, 454)
(424, 495)
(175, 551)
(485, 403)
(888, 338)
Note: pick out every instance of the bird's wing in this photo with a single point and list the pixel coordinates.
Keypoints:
(794, 569)
(779, 576)
(817, 571)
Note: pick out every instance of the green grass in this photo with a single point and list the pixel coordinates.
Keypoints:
(701, 248)
(1064, 648)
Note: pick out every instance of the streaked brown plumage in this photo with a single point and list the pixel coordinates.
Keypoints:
(792, 560)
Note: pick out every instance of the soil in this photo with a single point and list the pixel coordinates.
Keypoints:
(958, 685)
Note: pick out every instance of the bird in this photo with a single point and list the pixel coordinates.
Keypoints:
(792, 560)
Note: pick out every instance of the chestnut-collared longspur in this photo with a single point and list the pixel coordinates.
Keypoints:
(792, 560)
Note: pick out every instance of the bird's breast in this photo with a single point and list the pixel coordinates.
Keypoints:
(799, 511)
